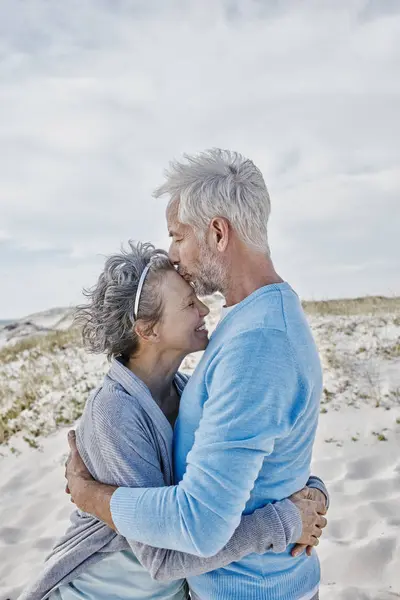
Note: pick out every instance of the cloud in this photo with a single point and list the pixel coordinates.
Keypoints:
(97, 97)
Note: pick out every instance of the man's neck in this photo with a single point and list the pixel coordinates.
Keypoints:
(157, 370)
(247, 275)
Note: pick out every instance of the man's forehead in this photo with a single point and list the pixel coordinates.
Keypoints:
(173, 223)
(173, 226)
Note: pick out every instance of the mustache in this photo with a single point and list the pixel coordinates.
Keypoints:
(182, 272)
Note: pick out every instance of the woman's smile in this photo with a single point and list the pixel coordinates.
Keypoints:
(202, 330)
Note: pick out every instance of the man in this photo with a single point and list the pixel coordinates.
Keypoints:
(249, 414)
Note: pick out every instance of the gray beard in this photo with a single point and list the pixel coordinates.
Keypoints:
(209, 278)
(205, 288)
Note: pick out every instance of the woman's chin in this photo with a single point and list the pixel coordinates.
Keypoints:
(200, 344)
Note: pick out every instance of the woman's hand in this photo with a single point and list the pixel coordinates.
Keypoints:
(312, 506)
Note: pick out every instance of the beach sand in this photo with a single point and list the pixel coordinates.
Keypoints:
(357, 453)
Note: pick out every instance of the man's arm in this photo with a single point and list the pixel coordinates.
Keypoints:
(271, 528)
(251, 404)
(252, 388)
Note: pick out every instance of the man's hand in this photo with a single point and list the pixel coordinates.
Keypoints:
(75, 468)
(312, 506)
(316, 495)
(88, 495)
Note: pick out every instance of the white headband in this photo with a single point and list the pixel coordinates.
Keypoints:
(139, 290)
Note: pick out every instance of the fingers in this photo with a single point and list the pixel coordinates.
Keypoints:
(312, 537)
(298, 549)
(321, 522)
(67, 490)
(313, 541)
(300, 495)
(72, 439)
(72, 445)
(67, 461)
(317, 532)
(66, 466)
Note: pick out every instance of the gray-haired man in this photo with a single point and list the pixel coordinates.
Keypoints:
(249, 414)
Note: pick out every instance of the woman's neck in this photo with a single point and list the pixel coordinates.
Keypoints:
(157, 370)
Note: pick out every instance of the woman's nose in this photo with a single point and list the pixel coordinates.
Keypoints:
(204, 310)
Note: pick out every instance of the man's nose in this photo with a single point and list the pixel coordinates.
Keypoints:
(173, 254)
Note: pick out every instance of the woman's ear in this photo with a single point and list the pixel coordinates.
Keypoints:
(220, 230)
(146, 333)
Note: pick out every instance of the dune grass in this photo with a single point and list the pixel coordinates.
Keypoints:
(372, 305)
(47, 342)
(29, 369)
(52, 367)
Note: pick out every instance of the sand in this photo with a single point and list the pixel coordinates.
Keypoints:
(357, 453)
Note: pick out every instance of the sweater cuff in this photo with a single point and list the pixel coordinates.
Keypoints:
(290, 517)
(318, 484)
(122, 506)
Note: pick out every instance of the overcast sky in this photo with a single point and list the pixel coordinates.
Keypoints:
(97, 96)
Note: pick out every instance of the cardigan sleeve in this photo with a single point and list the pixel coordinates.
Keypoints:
(251, 536)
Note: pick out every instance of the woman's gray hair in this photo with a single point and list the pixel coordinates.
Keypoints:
(108, 319)
(220, 183)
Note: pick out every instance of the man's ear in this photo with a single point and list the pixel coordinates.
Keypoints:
(220, 230)
(146, 333)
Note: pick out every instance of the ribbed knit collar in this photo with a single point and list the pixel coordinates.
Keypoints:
(262, 291)
(138, 389)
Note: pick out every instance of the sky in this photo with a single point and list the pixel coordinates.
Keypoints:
(97, 96)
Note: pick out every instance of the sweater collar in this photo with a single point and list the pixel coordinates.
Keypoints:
(138, 389)
(262, 291)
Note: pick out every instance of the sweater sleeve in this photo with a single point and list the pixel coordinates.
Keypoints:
(317, 483)
(271, 528)
(252, 401)
(128, 456)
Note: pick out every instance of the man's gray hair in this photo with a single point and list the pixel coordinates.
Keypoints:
(220, 183)
(108, 319)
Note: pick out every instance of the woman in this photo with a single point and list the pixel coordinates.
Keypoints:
(147, 318)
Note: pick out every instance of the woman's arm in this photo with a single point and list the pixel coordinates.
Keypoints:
(270, 528)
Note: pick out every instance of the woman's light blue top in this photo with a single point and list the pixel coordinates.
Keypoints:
(119, 575)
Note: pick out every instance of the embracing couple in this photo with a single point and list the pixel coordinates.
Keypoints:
(196, 487)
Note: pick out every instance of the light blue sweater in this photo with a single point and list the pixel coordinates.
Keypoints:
(244, 437)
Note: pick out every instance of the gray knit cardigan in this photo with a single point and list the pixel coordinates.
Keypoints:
(126, 440)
